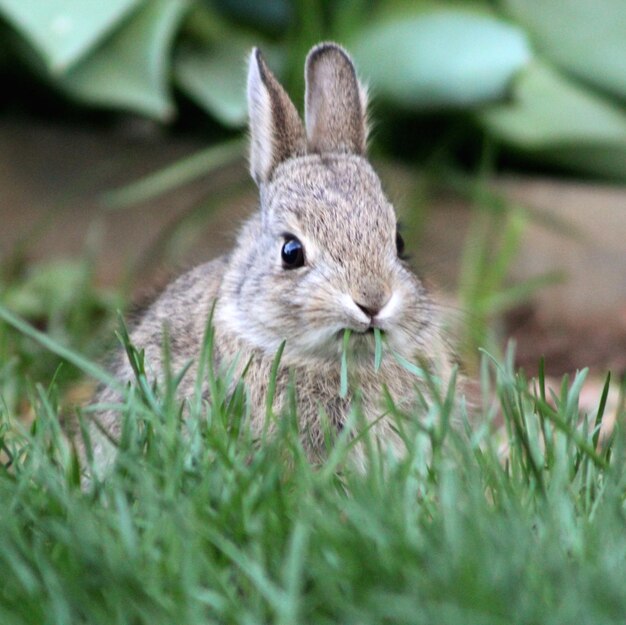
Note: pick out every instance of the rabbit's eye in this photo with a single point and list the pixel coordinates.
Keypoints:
(292, 253)
(399, 244)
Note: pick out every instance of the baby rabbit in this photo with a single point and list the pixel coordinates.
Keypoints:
(320, 255)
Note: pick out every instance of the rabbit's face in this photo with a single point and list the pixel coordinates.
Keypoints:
(321, 255)
(326, 259)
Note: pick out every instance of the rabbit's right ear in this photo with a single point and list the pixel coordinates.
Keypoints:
(276, 131)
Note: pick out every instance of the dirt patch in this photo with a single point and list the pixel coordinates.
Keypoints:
(567, 346)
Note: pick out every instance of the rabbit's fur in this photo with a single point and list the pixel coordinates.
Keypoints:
(315, 184)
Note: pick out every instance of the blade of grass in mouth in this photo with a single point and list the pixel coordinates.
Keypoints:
(378, 348)
(343, 384)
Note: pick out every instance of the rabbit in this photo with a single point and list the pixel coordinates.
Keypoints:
(320, 255)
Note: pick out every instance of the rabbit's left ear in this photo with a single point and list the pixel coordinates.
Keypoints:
(336, 102)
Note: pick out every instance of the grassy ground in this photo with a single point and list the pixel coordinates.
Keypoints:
(208, 526)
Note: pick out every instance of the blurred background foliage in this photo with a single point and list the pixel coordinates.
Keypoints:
(544, 79)
(460, 90)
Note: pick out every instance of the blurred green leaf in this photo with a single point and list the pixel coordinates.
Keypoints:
(215, 79)
(585, 37)
(56, 291)
(65, 30)
(173, 176)
(551, 116)
(131, 69)
(507, 297)
(271, 15)
(48, 287)
(606, 161)
(445, 57)
(548, 109)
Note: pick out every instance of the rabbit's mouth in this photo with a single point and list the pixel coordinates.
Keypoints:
(359, 333)
(362, 341)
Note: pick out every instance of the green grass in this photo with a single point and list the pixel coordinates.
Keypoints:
(62, 298)
(199, 523)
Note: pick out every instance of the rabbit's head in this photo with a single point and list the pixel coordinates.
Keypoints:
(322, 253)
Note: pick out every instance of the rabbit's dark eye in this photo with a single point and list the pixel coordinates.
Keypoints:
(292, 253)
(399, 244)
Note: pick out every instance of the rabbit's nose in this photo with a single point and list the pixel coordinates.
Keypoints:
(368, 310)
(372, 302)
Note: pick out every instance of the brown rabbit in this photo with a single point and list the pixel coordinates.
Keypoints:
(319, 256)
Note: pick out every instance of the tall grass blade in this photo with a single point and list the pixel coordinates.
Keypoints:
(410, 367)
(53, 346)
(271, 388)
(601, 408)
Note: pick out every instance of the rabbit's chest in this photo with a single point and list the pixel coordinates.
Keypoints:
(316, 393)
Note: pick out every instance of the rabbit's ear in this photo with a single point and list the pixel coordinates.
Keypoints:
(276, 131)
(336, 102)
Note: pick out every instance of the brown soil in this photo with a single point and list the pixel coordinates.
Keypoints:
(567, 346)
